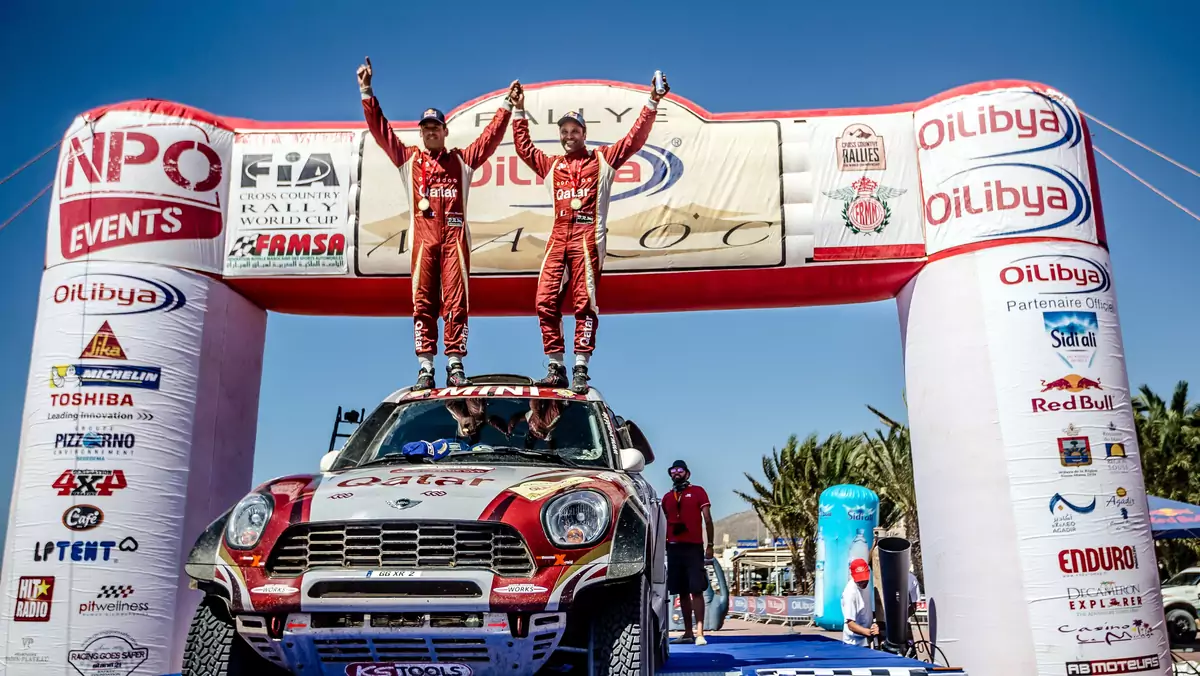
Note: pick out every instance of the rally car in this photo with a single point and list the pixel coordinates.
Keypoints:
(500, 528)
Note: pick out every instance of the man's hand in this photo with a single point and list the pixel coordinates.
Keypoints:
(708, 551)
(654, 95)
(516, 94)
(364, 75)
(874, 629)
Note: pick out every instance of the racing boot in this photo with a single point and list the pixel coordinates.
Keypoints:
(455, 377)
(579, 379)
(424, 379)
(556, 376)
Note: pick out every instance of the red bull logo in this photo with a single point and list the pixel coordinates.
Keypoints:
(1074, 384)
(1071, 383)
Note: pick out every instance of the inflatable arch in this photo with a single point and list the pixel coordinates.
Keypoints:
(173, 230)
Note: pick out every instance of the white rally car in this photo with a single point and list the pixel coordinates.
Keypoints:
(500, 528)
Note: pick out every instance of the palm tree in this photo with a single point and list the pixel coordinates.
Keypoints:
(795, 477)
(887, 462)
(1168, 437)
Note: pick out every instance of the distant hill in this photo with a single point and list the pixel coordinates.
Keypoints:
(740, 526)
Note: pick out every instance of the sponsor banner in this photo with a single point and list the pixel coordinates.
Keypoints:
(868, 190)
(289, 212)
(141, 186)
(698, 195)
(95, 535)
(1003, 163)
(1079, 503)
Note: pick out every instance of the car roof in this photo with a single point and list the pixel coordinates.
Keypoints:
(497, 385)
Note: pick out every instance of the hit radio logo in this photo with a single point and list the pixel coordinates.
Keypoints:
(34, 597)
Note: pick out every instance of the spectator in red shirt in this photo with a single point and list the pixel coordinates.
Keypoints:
(684, 508)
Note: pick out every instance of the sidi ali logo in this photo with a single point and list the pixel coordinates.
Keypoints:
(1072, 336)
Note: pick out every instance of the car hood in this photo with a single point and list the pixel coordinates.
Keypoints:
(441, 492)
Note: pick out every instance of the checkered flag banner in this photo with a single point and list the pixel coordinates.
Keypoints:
(115, 591)
(243, 246)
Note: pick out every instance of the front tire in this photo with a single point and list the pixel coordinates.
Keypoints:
(214, 649)
(623, 633)
(1181, 626)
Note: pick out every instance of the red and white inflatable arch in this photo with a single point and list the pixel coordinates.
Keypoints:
(173, 230)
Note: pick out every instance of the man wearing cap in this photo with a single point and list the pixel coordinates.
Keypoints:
(436, 181)
(856, 606)
(684, 508)
(580, 187)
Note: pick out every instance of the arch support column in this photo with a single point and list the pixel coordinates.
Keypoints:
(139, 429)
(1032, 506)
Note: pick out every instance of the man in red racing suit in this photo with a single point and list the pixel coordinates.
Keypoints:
(580, 187)
(436, 180)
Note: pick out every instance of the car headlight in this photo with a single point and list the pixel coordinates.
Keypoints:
(247, 521)
(576, 519)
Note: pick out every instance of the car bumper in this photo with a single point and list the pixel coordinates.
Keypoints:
(309, 646)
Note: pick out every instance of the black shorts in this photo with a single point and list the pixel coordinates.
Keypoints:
(685, 568)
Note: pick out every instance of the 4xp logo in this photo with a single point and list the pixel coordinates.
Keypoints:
(650, 171)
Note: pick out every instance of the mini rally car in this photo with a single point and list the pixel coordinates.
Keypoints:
(501, 528)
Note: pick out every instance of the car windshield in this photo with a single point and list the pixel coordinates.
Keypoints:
(1184, 579)
(483, 429)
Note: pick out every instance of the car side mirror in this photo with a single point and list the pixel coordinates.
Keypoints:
(639, 441)
(328, 459)
(632, 460)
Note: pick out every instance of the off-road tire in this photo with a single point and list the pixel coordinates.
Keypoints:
(623, 632)
(214, 649)
(1181, 626)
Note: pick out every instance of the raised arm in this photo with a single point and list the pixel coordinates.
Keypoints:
(377, 122)
(529, 154)
(619, 153)
(482, 148)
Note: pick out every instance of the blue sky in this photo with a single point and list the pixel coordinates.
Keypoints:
(718, 389)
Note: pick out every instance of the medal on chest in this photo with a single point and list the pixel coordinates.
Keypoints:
(574, 173)
(426, 178)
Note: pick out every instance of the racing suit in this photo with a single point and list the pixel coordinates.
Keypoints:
(441, 246)
(575, 248)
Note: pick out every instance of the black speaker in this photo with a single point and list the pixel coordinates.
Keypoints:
(893, 574)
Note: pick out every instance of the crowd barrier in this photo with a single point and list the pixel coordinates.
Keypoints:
(788, 609)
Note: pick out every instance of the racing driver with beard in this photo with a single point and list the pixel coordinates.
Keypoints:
(580, 187)
(437, 180)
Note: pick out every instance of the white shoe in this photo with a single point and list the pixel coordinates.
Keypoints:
(700, 641)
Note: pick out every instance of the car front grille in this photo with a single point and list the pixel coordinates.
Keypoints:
(401, 544)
